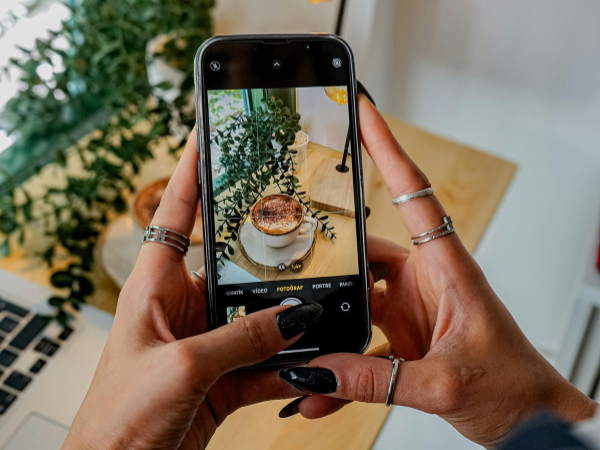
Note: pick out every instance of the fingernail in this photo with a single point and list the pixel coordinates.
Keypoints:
(291, 409)
(363, 90)
(367, 212)
(313, 380)
(379, 271)
(297, 319)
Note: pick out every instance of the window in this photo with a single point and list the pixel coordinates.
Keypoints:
(20, 27)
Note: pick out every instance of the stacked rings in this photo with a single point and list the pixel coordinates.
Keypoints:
(448, 225)
(168, 237)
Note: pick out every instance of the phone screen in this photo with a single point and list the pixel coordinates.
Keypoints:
(283, 182)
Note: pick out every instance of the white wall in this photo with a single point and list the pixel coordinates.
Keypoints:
(273, 16)
(521, 79)
(325, 121)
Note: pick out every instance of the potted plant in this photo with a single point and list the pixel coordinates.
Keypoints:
(255, 154)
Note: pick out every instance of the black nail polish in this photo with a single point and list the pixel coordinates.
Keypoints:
(291, 409)
(297, 319)
(363, 90)
(379, 271)
(313, 380)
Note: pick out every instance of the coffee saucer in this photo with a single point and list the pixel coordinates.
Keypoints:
(259, 254)
(120, 245)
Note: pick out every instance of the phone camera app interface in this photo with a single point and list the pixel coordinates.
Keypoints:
(284, 202)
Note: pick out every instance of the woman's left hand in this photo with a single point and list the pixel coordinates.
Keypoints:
(163, 381)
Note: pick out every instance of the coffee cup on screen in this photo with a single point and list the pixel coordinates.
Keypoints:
(279, 219)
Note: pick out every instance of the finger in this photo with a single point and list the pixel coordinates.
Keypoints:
(244, 388)
(366, 379)
(179, 203)
(400, 173)
(382, 251)
(250, 340)
(386, 259)
(318, 406)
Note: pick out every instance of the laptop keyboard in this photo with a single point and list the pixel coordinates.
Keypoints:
(26, 344)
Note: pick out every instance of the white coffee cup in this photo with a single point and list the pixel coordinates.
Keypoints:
(282, 238)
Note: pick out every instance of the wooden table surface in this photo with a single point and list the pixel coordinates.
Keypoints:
(470, 185)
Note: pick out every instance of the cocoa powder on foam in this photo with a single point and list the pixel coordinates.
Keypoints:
(277, 214)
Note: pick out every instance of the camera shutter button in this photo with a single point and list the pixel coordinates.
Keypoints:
(291, 301)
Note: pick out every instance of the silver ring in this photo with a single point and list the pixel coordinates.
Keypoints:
(176, 240)
(409, 197)
(448, 225)
(390, 393)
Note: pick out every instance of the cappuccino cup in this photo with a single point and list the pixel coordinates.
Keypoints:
(279, 219)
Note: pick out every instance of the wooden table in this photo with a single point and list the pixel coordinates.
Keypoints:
(470, 184)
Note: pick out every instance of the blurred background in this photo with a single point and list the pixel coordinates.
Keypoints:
(95, 101)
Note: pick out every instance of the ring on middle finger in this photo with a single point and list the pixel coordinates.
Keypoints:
(431, 234)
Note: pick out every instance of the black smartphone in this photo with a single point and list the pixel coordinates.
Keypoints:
(281, 182)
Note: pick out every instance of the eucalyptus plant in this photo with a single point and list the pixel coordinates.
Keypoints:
(252, 163)
(98, 64)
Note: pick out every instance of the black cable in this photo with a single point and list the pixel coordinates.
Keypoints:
(340, 18)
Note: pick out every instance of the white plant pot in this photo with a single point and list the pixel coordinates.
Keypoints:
(160, 70)
(299, 157)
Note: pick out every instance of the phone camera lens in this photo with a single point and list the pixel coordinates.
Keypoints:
(276, 64)
(337, 63)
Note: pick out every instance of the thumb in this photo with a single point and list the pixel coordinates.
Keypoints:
(367, 378)
(251, 339)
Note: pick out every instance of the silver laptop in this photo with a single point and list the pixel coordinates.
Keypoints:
(45, 371)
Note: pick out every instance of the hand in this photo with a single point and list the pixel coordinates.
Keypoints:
(466, 359)
(163, 381)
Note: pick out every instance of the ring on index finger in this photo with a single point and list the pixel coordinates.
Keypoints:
(169, 237)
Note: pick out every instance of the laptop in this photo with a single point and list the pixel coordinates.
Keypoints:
(45, 371)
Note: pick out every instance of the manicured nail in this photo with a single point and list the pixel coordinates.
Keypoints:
(367, 212)
(363, 90)
(291, 409)
(379, 271)
(297, 319)
(313, 380)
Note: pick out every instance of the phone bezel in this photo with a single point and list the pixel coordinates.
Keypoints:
(204, 168)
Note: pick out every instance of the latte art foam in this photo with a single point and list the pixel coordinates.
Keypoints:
(277, 214)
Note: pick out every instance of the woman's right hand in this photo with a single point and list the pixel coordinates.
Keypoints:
(466, 359)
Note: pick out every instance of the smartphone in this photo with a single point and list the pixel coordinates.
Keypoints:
(281, 183)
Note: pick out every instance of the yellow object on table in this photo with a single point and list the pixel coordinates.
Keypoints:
(470, 184)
